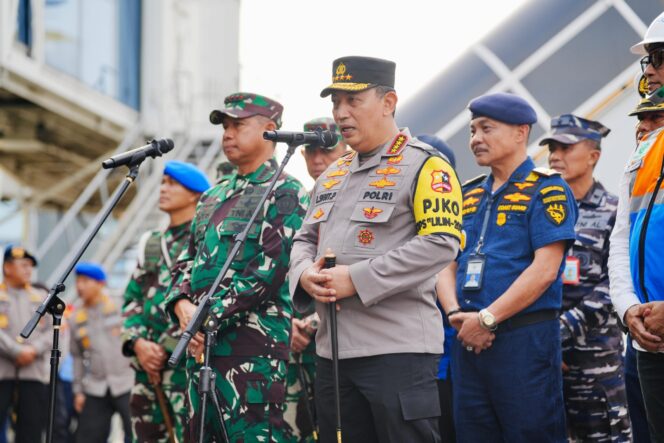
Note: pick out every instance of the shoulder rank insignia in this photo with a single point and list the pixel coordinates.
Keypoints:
(472, 181)
(318, 214)
(546, 172)
(399, 143)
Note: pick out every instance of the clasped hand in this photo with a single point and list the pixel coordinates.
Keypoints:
(471, 333)
(327, 285)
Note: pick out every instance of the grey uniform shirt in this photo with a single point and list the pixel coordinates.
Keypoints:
(96, 346)
(16, 308)
(395, 220)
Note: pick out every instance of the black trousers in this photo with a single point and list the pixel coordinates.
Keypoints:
(384, 398)
(446, 420)
(30, 402)
(651, 375)
(94, 423)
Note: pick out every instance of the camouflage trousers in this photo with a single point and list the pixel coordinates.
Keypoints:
(296, 414)
(596, 400)
(147, 418)
(251, 394)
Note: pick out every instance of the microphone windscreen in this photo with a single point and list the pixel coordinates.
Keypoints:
(329, 138)
(165, 145)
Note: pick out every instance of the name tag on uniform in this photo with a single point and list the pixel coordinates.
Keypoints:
(474, 273)
(571, 273)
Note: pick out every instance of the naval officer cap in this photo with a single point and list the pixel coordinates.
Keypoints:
(569, 129)
(187, 175)
(355, 73)
(503, 107)
(91, 270)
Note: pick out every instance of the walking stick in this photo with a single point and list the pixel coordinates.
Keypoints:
(161, 399)
(330, 262)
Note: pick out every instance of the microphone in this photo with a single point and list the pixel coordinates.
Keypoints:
(318, 137)
(131, 158)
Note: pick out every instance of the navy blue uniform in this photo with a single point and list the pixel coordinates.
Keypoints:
(513, 390)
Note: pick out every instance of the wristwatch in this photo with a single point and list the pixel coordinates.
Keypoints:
(488, 320)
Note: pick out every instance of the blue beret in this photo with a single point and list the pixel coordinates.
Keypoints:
(92, 270)
(187, 175)
(440, 145)
(504, 107)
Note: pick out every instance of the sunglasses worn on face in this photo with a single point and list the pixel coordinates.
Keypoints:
(655, 59)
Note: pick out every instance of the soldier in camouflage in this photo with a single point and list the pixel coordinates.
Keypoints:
(157, 399)
(252, 304)
(592, 341)
(298, 413)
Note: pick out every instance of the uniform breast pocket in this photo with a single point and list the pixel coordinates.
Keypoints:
(369, 229)
(249, 248)
(509, 234)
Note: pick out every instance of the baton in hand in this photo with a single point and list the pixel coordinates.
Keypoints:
(330, 262)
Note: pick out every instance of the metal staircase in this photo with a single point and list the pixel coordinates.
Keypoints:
(118, 251)
(115, 244)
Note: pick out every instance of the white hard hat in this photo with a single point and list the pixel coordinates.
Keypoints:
(654, 34)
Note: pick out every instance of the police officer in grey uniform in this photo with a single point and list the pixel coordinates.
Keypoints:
(102, 376)
(391, 212)
(23, 364)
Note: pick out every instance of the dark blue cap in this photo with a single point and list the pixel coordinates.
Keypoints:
(92, 270)
(504, 107)
(569, 129)
(187, 175)
(15, 252)
(440, 145)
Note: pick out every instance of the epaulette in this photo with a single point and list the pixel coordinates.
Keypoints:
(546, 172)
(473, 181)
(416, 143)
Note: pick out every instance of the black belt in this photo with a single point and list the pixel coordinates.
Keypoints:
(527, 319)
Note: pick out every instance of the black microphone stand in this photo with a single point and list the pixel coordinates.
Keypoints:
(201, 321)
(56, 307)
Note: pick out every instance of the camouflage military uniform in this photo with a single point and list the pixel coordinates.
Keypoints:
(252, 306)
(295, 409)
(594, 386)
(145, 318)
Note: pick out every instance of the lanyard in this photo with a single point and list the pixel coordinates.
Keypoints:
(485, 223)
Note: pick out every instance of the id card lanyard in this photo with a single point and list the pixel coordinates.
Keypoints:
(477, 260)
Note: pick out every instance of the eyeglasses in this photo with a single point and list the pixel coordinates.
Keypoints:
(655, 58)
